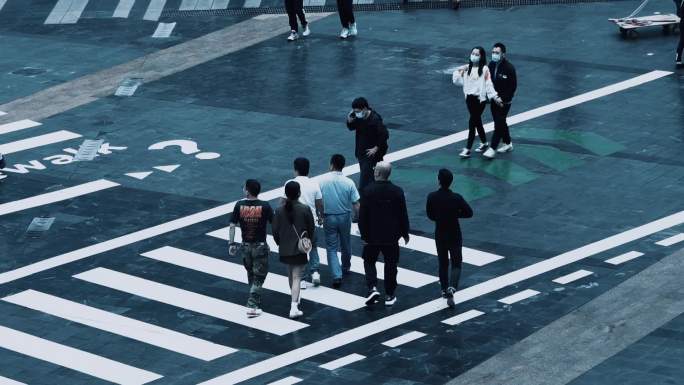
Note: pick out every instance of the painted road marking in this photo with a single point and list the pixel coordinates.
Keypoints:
(187, 5)
(252, 4)
(220, 4)
(56, 196)
(236, 272)
(463, 317)
(405, 277)
(2, 4)
(5, 380)
(620, 259)
(523, 295)
(68, 357)
(75, 11)
(154, 10)
(199, 303)
(572, 277)
(117, 324)
(58, 12)
(18, 125)
(406, 338)
(671, 240)
(37, 141)
(287, 381)
(227, 208)
(123, 9)
(344, 361)
(478, 290)
(204, 4)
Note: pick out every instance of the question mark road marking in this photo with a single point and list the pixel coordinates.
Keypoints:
(186, 147)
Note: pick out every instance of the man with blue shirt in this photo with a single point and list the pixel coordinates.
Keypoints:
(340, 198)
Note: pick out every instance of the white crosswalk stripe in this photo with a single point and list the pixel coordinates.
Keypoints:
(622, 258)
(220, 4)
(58, 12)
(75, 11)
(463, 317)
(188, 5)
(199, 303)
(17, 126)
(37, 141)
(5, 380)
(2, 4)
(236, 272)
(154, 10)
(68, 357)
(204, 4)
(521, 296)
(117, 324)
(673, 240)
(123, 9)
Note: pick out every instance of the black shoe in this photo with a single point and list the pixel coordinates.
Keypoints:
(337, 282)
(390, 300)
(345, 271)
(373, 297)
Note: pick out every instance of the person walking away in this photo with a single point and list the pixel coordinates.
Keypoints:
(477, 88)
(310, 196)
(680, 46)
(253, 215)
(371, 138)
(292, 221)
(340, 198)
(295, 9)
(505, 83)
(345, 8)
(383, 219)
(445, 207)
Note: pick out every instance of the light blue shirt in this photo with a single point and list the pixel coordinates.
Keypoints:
(339, 193)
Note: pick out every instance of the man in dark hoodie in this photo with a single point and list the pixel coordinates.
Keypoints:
(371, 138)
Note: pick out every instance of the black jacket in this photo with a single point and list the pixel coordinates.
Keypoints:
(283, 232)
(505, 81)
(383, 217)
(445, 207)
(370, 132)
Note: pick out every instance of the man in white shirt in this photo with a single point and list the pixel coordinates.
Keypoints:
(312, 197)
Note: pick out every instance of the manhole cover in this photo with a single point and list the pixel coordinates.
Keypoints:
(38, 226)
(28, 71)
(128, 87)
(88, 150)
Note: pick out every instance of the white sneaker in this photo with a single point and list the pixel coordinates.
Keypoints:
(373, 297)
(293, 36)
(482, 147)
(303, 285)
(344, 34)
(465, 153)
(316, 278)
(390, 300)
(307, 31)
(353, 31)
(505, 148)
(253, 312)
(490, 153)
(294, 311)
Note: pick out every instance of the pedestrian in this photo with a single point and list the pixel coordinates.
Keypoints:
(371, 138)
(345, 8)
(477, 88)
(295, 9)
(383, 219)
(253, 215)
(340, 198)
(445, 207)
(310, 196)
(680, 46)
(293, 221)
(505, 83)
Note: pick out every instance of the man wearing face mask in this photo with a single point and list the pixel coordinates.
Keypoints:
(505, 83)
(371, 138)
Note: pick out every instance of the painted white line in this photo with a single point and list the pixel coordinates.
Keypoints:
(572, 277)
(199, 303)
(287, 381)
(405, 277)
(5, 380)
(37, 141)
(75, 359)
(154, 10)
(18, 125)
(220, 4)
(236, 272)
(204, 4)
(463, 317)
(123, 9)
(3, 113)
(406, 338)
(2, 4)
(75, 11)
(58, 12)
(673, 240)
(227, 208)
(117, 324)
(523, 295)
(187, 5)
(620, 259)
(344, 361)
(484, 288)
(252, 4)
(313, 3)
(56, 196)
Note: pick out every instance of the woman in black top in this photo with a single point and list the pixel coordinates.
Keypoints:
(292, 220)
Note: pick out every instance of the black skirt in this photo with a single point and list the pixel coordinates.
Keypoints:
(297, 259)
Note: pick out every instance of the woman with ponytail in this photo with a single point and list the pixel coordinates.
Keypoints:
(293, 221)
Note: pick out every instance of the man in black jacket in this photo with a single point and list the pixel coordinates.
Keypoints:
(444, 207)
(371, 138)
(680, 46)
(383, 219)
(505, 83)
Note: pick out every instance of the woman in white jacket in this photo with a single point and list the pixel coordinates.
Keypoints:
(477, 88)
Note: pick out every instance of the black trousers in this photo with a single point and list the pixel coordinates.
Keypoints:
(475, 108)
(367, 172)
(295, 8)
(499, 114)
(680, 46)
(391, 256)
(346, 10)
(446, 250)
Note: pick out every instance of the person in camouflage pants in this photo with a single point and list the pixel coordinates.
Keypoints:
(255, 258)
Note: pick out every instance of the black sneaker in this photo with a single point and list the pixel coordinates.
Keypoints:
(337, 282)
(390, 300)
(373, 297)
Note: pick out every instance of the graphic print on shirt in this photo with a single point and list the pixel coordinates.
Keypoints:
(251, 218)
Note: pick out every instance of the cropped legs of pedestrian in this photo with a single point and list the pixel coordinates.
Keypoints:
(680, 46)
(295, 9)
(294, 276)
(345, 8)
(501, 131)
(255, 260)
(449, 277)
(391, 258)
(475, 108)
(338, 238)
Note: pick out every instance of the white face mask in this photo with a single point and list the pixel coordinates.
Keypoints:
(359, 115)
(496, 57)
(475, 59)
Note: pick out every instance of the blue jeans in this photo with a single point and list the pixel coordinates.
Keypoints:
(314, 261)
(337, 237)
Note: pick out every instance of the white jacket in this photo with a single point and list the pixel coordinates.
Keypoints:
(480, 86)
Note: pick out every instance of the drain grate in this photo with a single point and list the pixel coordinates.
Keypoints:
(38, 226)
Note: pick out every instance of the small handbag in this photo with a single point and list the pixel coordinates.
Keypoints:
(304, 243)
